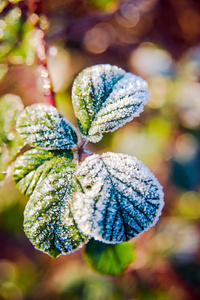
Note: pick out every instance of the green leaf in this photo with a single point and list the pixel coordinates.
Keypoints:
(8, 152)
(117, 199)
(106, 97)
(44, 127)
(10, 142)
(48, 221)
(24, 52)
(31, 167)
(10, 106)
(12, 25)
(109, 259)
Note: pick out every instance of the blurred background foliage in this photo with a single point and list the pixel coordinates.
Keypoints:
(158, 40)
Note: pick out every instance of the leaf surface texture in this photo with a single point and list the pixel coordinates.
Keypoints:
(31, 167)
(48, 221)
(117, 199)
(106, 97)
(44, 127)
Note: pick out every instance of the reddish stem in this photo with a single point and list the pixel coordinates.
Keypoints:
(42, 59)
(81, 149)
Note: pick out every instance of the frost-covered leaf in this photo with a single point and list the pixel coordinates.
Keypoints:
(32, 166)
(90, 90)
(109, 259)
(44, 127)
(10, 142)
(106, 97)
(10, 106)
(48, 221)
(117, 199)
(8, 152)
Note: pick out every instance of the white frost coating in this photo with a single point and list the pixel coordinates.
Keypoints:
(48, 221)
(90, 89)
(105, 97)
(126, 101)
(44, 127)
(118, 197)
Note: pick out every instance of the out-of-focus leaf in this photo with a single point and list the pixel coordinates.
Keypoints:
(117, 199)
(12, 26)
(10, 106)
(106, 97)
(43, 126)
(8, 152)
(48, 221)
(3, 4)
(17, 39)
(109, 259)
(10, 142)
(25, 51)
(31, 167)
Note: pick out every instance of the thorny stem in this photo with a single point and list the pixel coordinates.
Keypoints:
(40, 49)
(81, 149)
(42, 60)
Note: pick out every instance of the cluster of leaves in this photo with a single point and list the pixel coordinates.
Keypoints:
(17, 40)
(110, 197)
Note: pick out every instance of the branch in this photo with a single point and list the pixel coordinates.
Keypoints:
(42, 60)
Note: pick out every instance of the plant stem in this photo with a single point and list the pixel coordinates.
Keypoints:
(42, 60)
(81, 149)
(41, 53)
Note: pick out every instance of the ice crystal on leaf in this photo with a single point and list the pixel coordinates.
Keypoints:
(118, 197)
(44, 127)
(48, 221)
(106, 97)
(31, 167)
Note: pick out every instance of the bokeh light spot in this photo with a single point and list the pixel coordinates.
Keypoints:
(147, 59)
(128, 15)
(99, 38)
